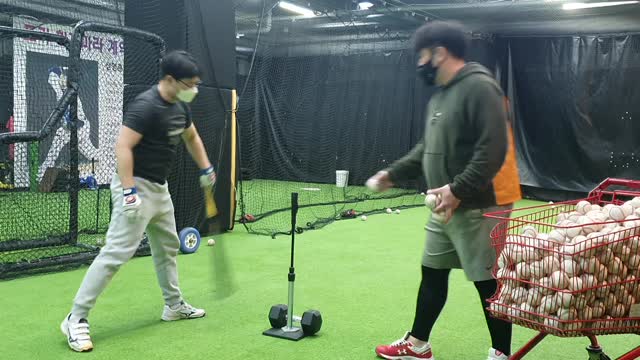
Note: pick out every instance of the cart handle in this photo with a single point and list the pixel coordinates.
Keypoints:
(632, 184)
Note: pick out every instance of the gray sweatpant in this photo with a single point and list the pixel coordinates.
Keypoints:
(123, 238)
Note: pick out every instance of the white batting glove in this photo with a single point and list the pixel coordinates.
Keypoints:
(207, 177)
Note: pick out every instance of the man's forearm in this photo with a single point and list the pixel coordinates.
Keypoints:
(198, 152)
(124, 158)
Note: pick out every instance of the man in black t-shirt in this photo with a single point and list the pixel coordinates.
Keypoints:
(154, 124)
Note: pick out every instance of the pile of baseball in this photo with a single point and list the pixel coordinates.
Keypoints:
(582, 272)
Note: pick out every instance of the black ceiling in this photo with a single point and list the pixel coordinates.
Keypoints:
(508, 17)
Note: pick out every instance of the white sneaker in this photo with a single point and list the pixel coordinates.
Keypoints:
(77, 334)
(497, 355)
(181, 311)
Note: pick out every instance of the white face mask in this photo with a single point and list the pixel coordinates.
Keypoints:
(187, 95)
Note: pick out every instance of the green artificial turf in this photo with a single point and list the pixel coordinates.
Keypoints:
(362, 276)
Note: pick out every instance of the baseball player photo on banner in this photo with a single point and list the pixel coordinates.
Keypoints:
(40, 80)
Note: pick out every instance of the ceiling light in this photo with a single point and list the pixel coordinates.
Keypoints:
(348, 24)
(364, 5)
(296, 9)
(578, 6)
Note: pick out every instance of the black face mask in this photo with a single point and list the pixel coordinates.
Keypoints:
(427, 72)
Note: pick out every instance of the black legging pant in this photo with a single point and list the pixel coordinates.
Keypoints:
(432, 297)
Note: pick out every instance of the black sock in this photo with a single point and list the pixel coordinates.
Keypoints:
(500, 330)
(432, 296)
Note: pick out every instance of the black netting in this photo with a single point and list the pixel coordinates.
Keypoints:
(312, 110)
(35, 201)
(54, 171)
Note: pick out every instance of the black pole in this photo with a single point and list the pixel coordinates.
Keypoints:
(74, 180)
(294, 214)
(93, 173)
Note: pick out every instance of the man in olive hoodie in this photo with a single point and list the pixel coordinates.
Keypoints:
(463, 148)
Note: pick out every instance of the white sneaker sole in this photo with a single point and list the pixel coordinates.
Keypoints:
(404, 357)
(177, 317)
(64, 327)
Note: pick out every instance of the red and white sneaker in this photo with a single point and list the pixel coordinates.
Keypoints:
(403, 349)
(497, 355)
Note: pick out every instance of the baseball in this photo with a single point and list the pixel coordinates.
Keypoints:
(550, 264)
(570, 267)
(613, 279)
(574, 216)
(627, 209)
(529, 231)
(567, 314)
(576, 284)
(515, 255)
(631, 221)
(627, 300)
(585, 313)
(565, 299)
(211, 242)
(363, 217)
(557, 236)
(588, 281)
(519, 295)
(581, 238)
(503, 260)
(618, 233)
(587, 226)
(615, 266)
(617, 311)
(397, 211)
(634, 244)
(602, 273)
(432, 201)
(580, 301)
(607, 207)
(534, 297)
(552, 322)
(389, 211)
(523, 271)
(592, 235)
(574, 229)
(536, 270)
(586, 248)
(609, 302)
(583, 207)
(598, 309)
(606, 256)
(549, 304)
(562, 217)
(544, 286)
(603, 290)
(530, 254)
(617, 213)
(589, 265)
(621, 293)
(633, 262)
(527, 311)
(624, 253)
(506, 275)
(635, 202)
(373, 185)
(559, 280)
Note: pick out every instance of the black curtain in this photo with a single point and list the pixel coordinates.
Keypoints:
(303, 118)
(575, 99)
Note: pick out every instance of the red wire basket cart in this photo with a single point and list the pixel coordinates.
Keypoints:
(571, 269)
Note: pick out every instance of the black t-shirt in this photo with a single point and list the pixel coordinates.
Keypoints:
(161, 124)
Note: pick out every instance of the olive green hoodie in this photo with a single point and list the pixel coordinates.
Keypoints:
(465, 139)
